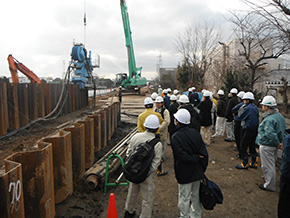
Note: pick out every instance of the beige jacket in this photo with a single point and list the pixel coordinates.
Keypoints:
(143, 137)
(164, 125)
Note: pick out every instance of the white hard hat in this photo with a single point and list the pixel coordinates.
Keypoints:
(234, 91)
(206, 94)
(269, 101)
(169, 90)
(175, 91)
(221, 92)
(173, 98)
(183, 99)
(202, 91)
(159, 99)
(248, 95)
(154, 95)
(165, 91)
(193, 88)
(152, 122)
(190, 89)
(148, 101)
(182, 116)
(241, 94)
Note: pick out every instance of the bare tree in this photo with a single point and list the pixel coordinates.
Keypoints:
(276, 12)
(283, 92)
(259, 42)
(196, 46)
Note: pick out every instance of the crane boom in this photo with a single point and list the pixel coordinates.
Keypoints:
(133, 70)
(15, 65)
(134, 80)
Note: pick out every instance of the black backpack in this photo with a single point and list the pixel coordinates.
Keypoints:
(138, 163)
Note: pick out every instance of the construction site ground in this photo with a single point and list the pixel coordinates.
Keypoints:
(242, 197)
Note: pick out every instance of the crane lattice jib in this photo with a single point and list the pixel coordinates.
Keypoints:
(133, 70)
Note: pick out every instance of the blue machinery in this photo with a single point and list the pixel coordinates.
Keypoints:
(82, 66)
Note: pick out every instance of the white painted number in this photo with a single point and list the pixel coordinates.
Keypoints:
(15, 188)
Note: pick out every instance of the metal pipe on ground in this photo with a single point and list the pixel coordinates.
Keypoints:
(96, 173)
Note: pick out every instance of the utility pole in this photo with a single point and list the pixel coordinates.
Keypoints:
(224, 57)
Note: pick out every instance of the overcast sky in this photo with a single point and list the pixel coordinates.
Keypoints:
(40, 33)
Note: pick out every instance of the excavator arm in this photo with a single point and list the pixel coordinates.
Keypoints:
(15, 65)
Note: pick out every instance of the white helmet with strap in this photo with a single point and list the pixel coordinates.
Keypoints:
(182, 116)
(269, 101)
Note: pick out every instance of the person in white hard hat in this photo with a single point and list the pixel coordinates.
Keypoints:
(229, 115)
(221, 111)
(172, 110)
(194, 97)
(148, 103)
(159, 90)
(205, 108)
(166, 99)
(169, 92)
(148, 186)
(250, 122)
(195, 117)
(154, 95)
(190, 163)
(163, 130)
(237, 111)
(176, 93)
(271, 134)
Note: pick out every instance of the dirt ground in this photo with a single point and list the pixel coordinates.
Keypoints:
(242, 197)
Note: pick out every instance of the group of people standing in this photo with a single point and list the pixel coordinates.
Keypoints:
(185, 122)
(268, 135)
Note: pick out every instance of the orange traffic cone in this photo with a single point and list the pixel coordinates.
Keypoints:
(112, 209)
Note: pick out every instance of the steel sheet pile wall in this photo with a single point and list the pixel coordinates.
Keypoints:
(34, 181)
(22, 103)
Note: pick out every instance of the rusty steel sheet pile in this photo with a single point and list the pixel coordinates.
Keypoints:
(35, 180)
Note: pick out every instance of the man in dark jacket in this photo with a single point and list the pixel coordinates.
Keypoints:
(195, 117)
(194, 97)
(221, 112)
(205, 108)
(172, 110)
(166, 99)
(249, 122)
(190, 163)
(229, 115)
(237, 111)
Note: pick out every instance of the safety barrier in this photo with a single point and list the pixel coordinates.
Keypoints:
(22, 103)
(34, 181)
